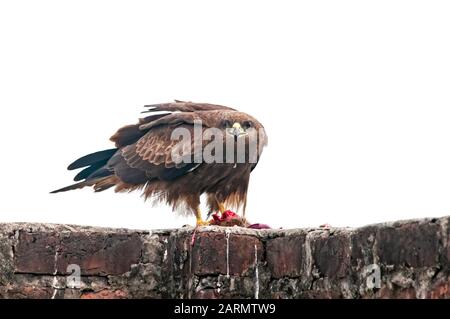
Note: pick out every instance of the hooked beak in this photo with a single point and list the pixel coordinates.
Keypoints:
(237, 130)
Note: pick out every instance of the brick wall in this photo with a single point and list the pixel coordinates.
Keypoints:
(408, 259)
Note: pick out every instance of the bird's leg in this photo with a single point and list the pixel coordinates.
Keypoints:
(220, 205)
(198, 216)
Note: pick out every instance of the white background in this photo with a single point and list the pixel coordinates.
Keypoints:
(353, 94)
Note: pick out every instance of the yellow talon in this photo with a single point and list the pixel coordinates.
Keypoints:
(200, 221)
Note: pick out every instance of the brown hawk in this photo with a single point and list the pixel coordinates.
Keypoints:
(179, 152)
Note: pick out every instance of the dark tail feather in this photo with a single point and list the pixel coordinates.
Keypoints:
(93, 158)
(95, 172)
(101, 172)
(88, 171)
(74, 186)
(99, 184)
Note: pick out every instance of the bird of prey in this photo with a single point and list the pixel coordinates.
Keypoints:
(179, 152)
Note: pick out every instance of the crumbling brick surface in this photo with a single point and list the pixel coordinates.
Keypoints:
(407, 259)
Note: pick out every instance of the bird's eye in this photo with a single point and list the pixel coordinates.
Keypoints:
(247, 124)
(226, 123)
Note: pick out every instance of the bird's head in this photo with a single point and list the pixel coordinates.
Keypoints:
(237, 129)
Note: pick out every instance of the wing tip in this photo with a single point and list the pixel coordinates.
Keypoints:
(92, 158)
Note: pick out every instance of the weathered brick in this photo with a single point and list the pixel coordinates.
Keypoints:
(35, 252)
(209, 254)
(242, 253)
(331, 254)
(412, 244)
(31, 292)
(104, 294)
(362, 241)
(95, 253)
(99, 254)
(285, 256)
(207, 294)
(398, 293)
(440, 289)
